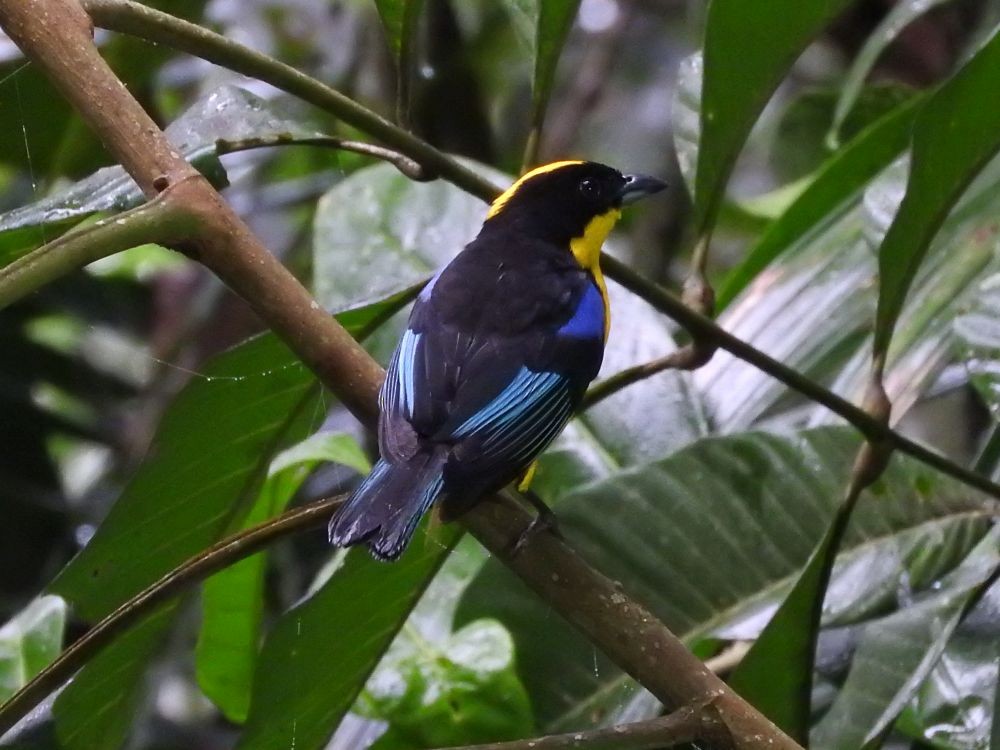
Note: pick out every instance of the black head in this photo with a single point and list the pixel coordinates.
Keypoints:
(558, 201)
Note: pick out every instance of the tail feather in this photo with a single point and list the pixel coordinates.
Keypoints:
(387, 506)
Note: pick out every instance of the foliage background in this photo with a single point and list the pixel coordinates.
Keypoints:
(704, 492)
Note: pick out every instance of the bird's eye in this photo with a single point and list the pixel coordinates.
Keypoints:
(590, 188)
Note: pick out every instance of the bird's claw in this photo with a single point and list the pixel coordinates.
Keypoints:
(545, 522)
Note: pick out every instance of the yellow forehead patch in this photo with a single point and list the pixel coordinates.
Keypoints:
(505, 196)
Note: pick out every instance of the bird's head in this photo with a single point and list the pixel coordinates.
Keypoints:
(570, 203)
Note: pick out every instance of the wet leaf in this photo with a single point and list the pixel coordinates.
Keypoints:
(748, 48)
(897, 652)
(712, 538)
(29, 641)
(232, 601)
(229, 114)
(948, 152)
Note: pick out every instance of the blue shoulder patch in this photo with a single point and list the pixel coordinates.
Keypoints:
(588, 320)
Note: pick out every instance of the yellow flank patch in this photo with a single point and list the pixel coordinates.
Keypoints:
(587, 251)
(529, 474)
(506, 195)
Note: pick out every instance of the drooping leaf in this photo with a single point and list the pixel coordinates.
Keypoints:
(228, 114)
(711, 539)
(890, 27)
(954, 136)
(232, 601)
(316, 659)
(748, 49)
(842, 176)
(29, 641)
(789, 639)
(896, 653)
(199, 477)
(555, 17)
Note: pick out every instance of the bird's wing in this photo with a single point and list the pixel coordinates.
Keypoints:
(499, 398)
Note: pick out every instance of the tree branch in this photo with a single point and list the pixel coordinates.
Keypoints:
(680, 727)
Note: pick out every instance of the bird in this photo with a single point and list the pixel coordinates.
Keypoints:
(498, 351)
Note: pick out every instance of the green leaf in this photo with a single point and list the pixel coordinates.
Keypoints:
(29, 642)
(954, 136)
(555, 17)
(711, 539)
(377, 232)
(232, 601)
(789, 639)
(748, 49)
(842, 176)
(392, 13)
(200, 477)
(978, 337)
(460, 692)
(228, 114)
(813, 307)
(890, 27)
(897, 652)
(316, 659)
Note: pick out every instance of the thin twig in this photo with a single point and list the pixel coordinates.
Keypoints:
(680, 727)
(220, 555)
(407, 166)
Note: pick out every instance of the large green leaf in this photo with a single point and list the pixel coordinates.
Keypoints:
(377, 232)
(956, 133)
(228, 114)
(316, 659)
(712, 538)
(232, 602)
(813, 307)
(29, 641)
(897, 652)
(199, 478)
(842, 176)
(749, 46)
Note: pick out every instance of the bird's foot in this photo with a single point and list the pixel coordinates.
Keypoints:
(544, 522)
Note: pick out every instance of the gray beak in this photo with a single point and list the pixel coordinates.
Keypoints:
(638, 186)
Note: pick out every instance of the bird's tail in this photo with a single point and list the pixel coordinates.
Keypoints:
(386, 507)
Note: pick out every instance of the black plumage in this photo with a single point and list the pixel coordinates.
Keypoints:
(499, 349)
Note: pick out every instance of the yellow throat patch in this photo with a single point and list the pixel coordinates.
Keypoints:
(587, 251)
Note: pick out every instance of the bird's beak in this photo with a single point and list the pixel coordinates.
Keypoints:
(638, 186)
